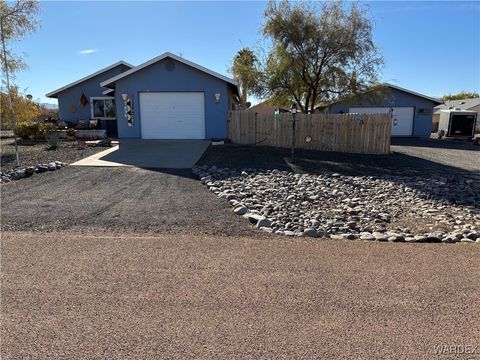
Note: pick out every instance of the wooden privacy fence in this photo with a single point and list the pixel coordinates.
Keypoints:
(366, 134)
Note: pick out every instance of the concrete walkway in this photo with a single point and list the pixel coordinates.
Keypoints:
(150, 154)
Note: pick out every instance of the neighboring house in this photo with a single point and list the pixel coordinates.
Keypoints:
(411, 111)
(463, 104)
(265, 108)
(76, 99)
(167, 97)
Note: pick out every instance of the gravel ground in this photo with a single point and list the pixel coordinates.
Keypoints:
(184, 296)
(92, 199)
(410, 157)
(384, 208)
(33, 153)
(452, 154)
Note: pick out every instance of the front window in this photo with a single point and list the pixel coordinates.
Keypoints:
(103, 108)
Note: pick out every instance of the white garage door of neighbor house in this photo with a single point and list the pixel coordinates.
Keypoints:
(402, 118)
(172, 115)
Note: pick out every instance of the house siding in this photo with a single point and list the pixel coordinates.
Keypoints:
(422, 124)
(91, 87)
(182, 78)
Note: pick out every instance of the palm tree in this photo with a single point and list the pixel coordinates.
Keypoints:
(244, 70)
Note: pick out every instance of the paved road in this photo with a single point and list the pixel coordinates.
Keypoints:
(175, 296)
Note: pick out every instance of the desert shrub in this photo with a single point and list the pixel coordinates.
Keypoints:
(53, 140)
(39, 131)
(24, 130)
(62, 125)
(71, 132)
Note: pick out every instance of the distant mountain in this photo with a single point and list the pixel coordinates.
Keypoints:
(49, 106)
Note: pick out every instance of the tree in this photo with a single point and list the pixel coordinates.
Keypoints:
(24, 108)
(244, 70)
(461, 95)
(319, 52)
(17, 20)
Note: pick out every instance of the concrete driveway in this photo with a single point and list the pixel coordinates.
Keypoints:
(150, 154)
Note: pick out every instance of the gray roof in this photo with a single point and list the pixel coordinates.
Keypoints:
(435, 100)
(53, 94)
(462, 104)
(112, 80)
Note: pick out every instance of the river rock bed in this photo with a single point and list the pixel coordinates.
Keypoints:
(383, 208)
(17, 174)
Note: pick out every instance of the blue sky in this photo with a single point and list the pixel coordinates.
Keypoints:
(429, 47)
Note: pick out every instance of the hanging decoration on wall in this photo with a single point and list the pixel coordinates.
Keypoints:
(128, 108)
(83, 100)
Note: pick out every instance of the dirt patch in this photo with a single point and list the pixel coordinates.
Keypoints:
(35, 152)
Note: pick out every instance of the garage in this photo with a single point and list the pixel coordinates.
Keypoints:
(172, 115)
(402, 117)
(169, 97)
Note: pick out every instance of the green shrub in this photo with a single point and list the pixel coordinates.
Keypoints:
(39, 131)
(53, 140)
(71, 132)
(62, 125)
(25, 130)
(33, 130)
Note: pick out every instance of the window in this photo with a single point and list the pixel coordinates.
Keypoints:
(424, 111)
(103, 108)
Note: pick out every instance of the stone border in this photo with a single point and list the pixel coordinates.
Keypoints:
(17, 174)
(210, 174)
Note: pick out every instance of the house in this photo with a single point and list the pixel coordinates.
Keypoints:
(167, 97)
(265, 108)
(411, 111)
(75, 100)
(463, 104)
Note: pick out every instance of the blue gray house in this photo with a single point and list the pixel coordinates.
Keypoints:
(77, 99)
(411, 111)
(167, 97)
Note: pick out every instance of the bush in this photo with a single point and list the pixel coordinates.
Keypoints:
(71, 132)
(25, 130)
(53, 140)
(39, 131)
(32, 130)
(62, 125)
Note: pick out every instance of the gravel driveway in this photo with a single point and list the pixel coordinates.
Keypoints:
(92, 199)
(137, 200)
(449, 153)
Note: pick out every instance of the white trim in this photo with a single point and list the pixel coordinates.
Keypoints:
(414, 93)
(161, 57)
(108, 91)
(92, 116)
(54, 93)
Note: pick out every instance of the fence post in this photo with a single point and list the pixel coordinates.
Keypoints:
(255, 130)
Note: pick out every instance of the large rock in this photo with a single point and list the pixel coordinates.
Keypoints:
(241, 210)
(310, 232)
(52, 166)
(41, 168)
(29, 170)
(264, 222)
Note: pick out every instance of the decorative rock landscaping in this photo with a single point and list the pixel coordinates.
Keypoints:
(384, 208)
(17, 174)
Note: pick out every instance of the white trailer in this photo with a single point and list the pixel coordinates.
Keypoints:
(457, 123)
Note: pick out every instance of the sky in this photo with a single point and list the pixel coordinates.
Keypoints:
(429, 47)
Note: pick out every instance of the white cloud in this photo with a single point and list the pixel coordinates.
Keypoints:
(87, 51)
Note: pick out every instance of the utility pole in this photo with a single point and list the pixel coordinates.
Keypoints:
(10, 103)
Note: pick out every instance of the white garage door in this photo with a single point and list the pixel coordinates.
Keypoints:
(172, 115)
(402, 118)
